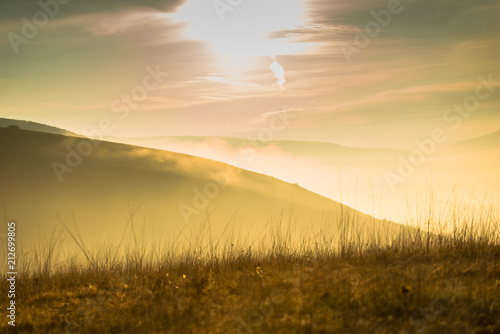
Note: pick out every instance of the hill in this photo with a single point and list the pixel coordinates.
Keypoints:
(99, 186)
(489, 141)
(34, 126)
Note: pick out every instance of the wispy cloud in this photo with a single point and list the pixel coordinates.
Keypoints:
(267, 115)
(279, 73)
(231, 82)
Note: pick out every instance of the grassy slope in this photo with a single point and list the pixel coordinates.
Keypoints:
(116, 177)
(418, 284)
(452, 288)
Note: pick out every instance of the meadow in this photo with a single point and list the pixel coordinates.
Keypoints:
(425, 280)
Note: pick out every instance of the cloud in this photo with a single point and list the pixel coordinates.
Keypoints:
(267, 115)
(279, 73)
(231, 82)
(16, 10)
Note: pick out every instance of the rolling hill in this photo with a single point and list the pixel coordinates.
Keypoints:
(34, 126)
(98, 186)
(490, 141)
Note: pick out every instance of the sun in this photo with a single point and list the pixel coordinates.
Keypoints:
(242, 28)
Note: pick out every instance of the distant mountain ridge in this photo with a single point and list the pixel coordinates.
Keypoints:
(488, 141)
(298, 147)
(34, 126)
(292, 146)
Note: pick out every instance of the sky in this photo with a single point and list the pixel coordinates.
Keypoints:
(359, 73)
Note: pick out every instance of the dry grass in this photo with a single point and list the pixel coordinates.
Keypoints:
(419, 282)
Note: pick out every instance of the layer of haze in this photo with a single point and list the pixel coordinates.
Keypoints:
(160, 196)
(459, 175)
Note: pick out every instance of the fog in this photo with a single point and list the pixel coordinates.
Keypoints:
(384, 183)
(92, 192)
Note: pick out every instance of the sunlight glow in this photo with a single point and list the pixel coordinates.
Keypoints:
(244, 29)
